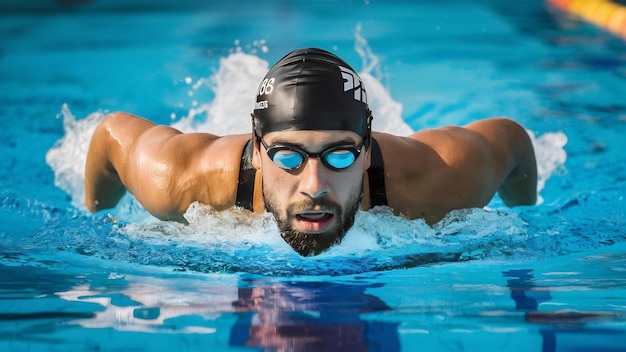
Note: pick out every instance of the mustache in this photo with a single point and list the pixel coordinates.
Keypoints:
(308, 204)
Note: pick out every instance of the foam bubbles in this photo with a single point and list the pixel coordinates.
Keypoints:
(236, 240)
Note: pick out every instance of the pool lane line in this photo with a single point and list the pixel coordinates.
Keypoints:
(603, 13)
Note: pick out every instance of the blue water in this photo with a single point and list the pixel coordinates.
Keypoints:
(550, 277)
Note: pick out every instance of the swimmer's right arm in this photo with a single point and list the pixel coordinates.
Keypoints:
(108, 159)
(165, 170)
(130, 153)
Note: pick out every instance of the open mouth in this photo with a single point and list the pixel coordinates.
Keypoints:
(314, 221)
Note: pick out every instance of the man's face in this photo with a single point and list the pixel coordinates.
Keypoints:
(313, 205)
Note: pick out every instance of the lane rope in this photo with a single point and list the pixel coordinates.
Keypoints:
(603, 13)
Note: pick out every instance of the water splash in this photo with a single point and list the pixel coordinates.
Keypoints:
(235, 241)
(550, 154)
(234, 84)
(68, 155)
(386, 111)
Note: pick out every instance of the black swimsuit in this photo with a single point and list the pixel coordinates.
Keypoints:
(247, 172)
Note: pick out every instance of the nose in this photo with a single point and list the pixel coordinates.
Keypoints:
(314, 182)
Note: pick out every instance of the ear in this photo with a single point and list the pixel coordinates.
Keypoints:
(256, 154)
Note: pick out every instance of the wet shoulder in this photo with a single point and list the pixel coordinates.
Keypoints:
(224, 152)
(212, 179)
(397, 147)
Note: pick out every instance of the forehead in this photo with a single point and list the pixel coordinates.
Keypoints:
(312, 138)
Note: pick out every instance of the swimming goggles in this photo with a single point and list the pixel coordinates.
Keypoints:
(335, 158)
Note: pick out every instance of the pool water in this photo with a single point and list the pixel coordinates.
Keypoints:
(550, 277)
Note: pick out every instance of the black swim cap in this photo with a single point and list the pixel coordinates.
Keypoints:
(311, 89)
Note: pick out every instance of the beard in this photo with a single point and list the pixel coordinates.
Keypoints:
(307, 244)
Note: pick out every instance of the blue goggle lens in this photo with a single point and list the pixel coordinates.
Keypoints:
(286, 159)
(340, 159)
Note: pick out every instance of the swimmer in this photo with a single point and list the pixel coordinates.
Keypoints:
(311, 160)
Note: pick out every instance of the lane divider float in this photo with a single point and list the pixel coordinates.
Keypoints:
(603, 13)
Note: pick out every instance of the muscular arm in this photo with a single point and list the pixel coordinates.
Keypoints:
(151, 161)
(435, 171)
(164, 169)
(107, 159)
(515, 156)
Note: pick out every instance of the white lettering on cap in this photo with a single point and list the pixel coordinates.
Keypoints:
(260, 105)
(267, 86)
(352, 81)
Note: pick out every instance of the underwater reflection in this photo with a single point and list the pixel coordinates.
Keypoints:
(304, 316)
(269, 314)
(561, 330)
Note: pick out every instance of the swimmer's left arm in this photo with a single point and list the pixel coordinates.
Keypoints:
(514, 150)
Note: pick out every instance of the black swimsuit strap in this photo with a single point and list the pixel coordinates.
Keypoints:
(376, 176)
(247, 173)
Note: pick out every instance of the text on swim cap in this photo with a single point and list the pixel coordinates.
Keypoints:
(267, 86)
(260, 105)
(352, 81)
